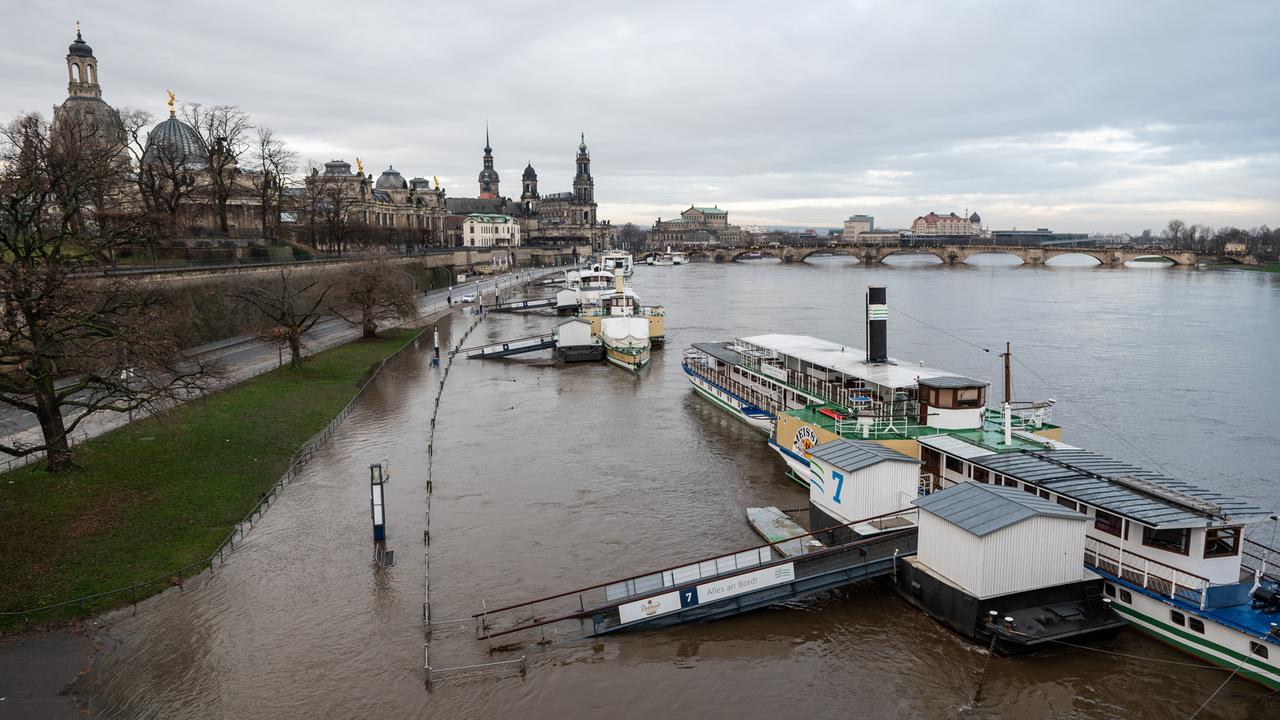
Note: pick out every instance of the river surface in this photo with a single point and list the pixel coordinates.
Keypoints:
(548, 478)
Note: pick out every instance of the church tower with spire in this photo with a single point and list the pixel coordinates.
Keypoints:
(488, 176)
(583, 186)
(82, 69)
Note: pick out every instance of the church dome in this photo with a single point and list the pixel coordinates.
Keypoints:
(489, 175)
(529, 173)
(80, 48)
(391, 179)
(174, 141)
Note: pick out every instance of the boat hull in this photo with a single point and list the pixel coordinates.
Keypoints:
(580, 353)
(1083, 615)
(629, 359)
(1220, 645)
(730, 403)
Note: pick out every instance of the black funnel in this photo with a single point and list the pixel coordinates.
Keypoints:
(877, 325)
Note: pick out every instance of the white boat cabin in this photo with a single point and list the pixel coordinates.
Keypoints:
(851, 480)
(978, 538)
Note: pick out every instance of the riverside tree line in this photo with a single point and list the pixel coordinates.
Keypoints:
(78, 191)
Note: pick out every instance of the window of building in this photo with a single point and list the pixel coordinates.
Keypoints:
(1010, 482)
(1110, 524)
(1028, 487)
(1178, 618)
(954, 464)
(1177, 540)
(1125, 597)
(979, 474)
(1221, 542)
(1257, 648)
(1196, 625)
(1046, 494)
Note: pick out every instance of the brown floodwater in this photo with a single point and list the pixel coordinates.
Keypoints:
(547, 478)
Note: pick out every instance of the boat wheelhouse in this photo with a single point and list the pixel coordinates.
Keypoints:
(582, 288)
(1174, 557)
(611, 261)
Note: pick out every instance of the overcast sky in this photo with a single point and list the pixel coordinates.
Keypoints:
(1080, 116)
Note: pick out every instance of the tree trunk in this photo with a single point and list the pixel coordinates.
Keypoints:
(295, 352)
(370, 328)
(52, 427)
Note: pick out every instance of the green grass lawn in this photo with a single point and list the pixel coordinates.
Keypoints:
(162, 493)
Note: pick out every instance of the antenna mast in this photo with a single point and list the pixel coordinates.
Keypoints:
(1008, 392)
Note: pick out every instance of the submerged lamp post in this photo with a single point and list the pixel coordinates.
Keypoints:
(377, 482)
(435, 361)
(379, 474)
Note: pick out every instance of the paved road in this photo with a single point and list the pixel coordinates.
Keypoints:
(245, 357)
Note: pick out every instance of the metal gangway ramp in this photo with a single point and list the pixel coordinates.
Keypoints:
(507, 348)
(515, 305)
(712, 588)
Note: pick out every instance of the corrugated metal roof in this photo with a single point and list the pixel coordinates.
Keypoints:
(954, 446)
(721, 352)
(850, 455)
(983, 509)
(1117, 487)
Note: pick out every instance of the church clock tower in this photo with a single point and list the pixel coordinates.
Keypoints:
(583, 186)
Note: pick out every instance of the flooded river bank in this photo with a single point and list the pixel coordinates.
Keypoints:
(548, 478)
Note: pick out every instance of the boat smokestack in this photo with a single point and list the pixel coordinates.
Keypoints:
(877, 324)
(619, 283)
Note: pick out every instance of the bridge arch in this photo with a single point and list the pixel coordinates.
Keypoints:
(908, 251)
(1098, 258)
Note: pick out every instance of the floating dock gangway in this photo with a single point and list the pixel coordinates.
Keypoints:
(507, 348)
(713, 588)
(517, 305)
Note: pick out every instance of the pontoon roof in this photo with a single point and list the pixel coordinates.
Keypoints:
(1120, 488)
(984, 509)
(848, 360)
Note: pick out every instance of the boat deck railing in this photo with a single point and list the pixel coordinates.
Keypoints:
(1259, 560)
(1149, 574)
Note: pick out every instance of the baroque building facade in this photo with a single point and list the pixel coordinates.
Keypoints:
(696, 226)
(949, 224)
(555, 218)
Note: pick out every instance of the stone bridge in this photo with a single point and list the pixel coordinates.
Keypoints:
(956, 254)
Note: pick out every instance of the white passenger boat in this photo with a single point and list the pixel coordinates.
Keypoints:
(803, 391)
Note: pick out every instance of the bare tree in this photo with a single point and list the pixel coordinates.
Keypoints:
(68, 340)
(1175, 233)
(374, 291)
(274, 165)
(224, 133)
(293, 303)
(166, 174)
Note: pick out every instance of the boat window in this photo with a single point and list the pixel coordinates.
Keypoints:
(1125, 597)
(1177, 540)
(1046, 494)
(1108, 523)
(1178, 618)
(1257, 648)
(1010, 482)
(954, 464)
(947, 398)
(979, 474)
(1196, 625)
(1109, 589)
(968, 397)
(1029, 488)
(1066, 502)
(1221, 542)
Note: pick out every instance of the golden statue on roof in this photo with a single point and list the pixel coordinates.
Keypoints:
(433, 177)
(171, 99)
(359, 166)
